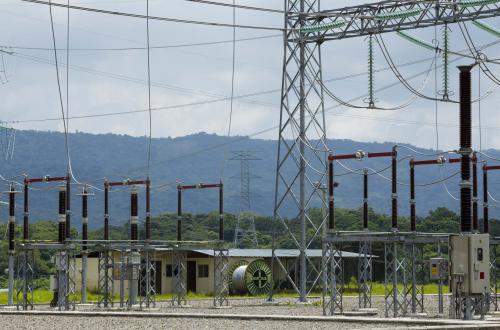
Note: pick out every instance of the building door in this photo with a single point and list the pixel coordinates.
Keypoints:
(158, 277)
(191, 276)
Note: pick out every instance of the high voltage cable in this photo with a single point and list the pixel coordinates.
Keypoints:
(165, 19)
(232, 90)
(180, 89)
(59, 86)
(118, 113)
(203, 102)
(206, 2)
(235, 140)
(474, 50)
(249, 95)
(129, 79)
(208, 43)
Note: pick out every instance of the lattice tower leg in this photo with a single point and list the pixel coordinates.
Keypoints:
(84, 276)
(326, 279)
(123, 275)
(134, 262)
(442, 270)
(66, 285)
(70, 301)
(148, 280)
(395, 273)
(12, 275)
(221, 289)
(179, 269)
(365, 275)
(105, 286)
(25, 286)
(334, 303)
(414, 292)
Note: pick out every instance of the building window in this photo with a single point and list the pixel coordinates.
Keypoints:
(203, 271)
(170, 271)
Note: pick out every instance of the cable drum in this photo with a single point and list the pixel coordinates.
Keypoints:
(254, 278)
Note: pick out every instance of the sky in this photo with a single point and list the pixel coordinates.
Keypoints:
(116, 80)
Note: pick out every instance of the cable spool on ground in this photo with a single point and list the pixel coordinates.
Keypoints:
(254, 278)
(230, 271)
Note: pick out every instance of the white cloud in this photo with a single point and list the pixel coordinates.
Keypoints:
(32, 90)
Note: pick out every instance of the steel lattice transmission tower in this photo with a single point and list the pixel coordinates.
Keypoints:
(245, 223)
(301, 150)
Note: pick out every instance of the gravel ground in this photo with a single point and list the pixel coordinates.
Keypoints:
(286, 306)
(65, 323)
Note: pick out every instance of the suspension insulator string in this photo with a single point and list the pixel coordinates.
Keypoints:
(371, 101)
(446, 54)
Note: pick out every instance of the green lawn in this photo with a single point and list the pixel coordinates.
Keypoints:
(45, 296)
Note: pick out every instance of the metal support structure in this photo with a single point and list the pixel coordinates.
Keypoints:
(134, 260)
(302, 125)
(25, 285)
(85, 224)
(221, 288)
(440, 283)
(395, 15)
(396, 264)
(332, 263)
(415, 291)
(62, 258)
(245, 232)
(333, 280)
(66, 285)
(123, 276)
(302, 140)
(105, 287)
(365, 260)
(414, 294)
(147, 280)
(12, 241)
(365, 272)
(365, 256)
(179, 284)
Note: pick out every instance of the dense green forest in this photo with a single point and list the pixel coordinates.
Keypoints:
(205, 227)
(198, 158)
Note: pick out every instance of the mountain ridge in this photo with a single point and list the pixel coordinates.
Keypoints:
(199, 158)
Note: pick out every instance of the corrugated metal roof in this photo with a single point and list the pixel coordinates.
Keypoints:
(280, 253)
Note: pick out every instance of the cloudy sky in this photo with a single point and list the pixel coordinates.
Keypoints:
(104, 81)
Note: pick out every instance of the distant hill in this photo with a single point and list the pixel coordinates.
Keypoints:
(199, 158)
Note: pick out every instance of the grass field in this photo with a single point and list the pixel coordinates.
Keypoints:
(42, 296)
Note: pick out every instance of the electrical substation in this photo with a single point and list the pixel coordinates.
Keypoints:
(130, 276)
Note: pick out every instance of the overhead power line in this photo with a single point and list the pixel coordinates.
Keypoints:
(204, 102)
(183, 45)
(215, 3)
(156, 18)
